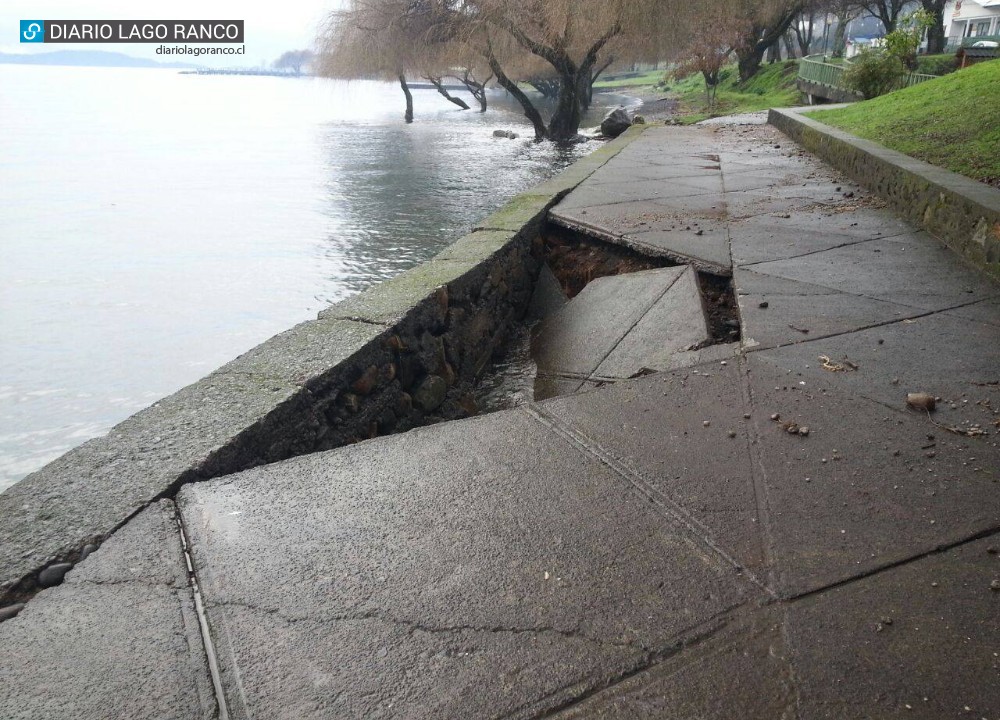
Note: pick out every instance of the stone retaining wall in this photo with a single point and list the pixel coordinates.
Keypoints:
(404, 353)
(962, 213)
(826, 92)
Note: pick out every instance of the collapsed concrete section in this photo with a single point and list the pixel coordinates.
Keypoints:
(619, 327)
(401, 354)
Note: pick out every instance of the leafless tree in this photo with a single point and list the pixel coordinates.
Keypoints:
(887, 11)
(294, 60)
(761, 23)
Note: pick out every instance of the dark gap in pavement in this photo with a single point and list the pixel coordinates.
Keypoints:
(576, 259)
(719, 299)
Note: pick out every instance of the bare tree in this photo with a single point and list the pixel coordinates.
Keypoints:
(712, 35)
(476, 89)
(438, 84)
(761, 24)
(887, 11)
(294, 60)
(381, 39)
(513, 40)
(804, 28)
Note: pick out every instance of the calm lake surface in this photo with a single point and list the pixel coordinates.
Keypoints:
(155, 225)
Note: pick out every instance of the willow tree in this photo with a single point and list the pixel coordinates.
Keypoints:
(512, 39)
(570, 37)
(760, 25)
(380, 39)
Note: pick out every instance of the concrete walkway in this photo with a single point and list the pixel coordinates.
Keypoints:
(664, 547)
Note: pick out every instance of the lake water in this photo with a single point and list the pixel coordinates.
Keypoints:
(154, 225)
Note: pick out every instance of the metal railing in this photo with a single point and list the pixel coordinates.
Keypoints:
(816, 69)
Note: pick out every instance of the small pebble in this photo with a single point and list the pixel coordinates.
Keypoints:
(934, 584)
(53, 574)
(6, 613)
(87, 549)
(706, 423)
(776, 417)
(995, 586)
(991, 550)
(731, 433)
(803, 430)
(763, 305)
(746, 416)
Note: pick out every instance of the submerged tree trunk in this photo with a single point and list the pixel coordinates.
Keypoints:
(436, 82)
(475, 88)
(409, 98)
(548, 87)
(565, 122)
(530, 111)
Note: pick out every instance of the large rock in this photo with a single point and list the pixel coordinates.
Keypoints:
(615, 123)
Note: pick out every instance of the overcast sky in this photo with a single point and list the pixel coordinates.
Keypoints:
(271, 26)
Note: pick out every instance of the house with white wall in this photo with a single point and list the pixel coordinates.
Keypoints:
(971, 18)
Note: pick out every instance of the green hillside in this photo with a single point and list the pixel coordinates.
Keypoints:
(952, 122)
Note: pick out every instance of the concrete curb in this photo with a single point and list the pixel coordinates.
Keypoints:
(402, 353)
(962, 213)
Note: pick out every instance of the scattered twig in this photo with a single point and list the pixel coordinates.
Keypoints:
(832, 366)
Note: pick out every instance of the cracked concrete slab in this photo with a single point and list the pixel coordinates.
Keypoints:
(775, 311)
(912, 269)
(118, 639)
(595, 193)
(460, 570)
(700, 471)
(986, 311)
(257, 408)
(951, 358)
(917, 641)
(764, 238)
(742, 672)
(868, 487)
(619, 327)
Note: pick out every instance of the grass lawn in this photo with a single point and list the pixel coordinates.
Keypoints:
(647, 78)
(773, 86)
(952, 122)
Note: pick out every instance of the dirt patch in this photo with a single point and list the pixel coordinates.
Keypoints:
(720, 308)
(657, 109)
(576, 260)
